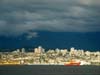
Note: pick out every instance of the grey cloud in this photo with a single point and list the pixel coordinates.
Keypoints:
(20, 16)
(31, 35)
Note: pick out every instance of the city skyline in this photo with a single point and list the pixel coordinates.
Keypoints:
(39, 56)
(49, 37)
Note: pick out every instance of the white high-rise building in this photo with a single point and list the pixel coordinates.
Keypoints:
(72, 51)
(57, 50)
(39, 50)
(23, 50)
(88, 53)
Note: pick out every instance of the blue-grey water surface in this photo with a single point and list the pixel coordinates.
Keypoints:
(49, 70)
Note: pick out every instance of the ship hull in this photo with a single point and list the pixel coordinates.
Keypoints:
(72, 64)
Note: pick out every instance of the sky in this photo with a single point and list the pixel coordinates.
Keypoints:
(19, 17)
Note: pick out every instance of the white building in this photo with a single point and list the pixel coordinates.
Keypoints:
(72, 51)
(39, 50)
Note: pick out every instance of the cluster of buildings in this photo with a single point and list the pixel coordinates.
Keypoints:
(40, 56)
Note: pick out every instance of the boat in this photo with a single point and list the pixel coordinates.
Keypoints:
(72, 63)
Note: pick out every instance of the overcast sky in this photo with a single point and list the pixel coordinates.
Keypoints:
(21, 16)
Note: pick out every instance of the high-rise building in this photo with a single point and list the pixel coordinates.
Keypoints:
(39, 50)
(72, 51)
(23, 50)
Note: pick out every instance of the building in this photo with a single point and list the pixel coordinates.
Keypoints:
(72, 51)
(39, 50)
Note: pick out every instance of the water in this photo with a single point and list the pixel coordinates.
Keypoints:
(49, 70)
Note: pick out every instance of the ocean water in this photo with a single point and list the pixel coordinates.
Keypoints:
(51, 40)
(49, 70)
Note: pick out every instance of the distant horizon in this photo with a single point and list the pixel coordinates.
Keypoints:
(52, 40)
(46, 49)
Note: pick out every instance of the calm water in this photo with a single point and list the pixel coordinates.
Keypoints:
(49, 70)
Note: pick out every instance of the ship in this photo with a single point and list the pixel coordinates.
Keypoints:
(72, 63)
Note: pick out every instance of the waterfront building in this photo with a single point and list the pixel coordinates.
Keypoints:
(23, 50)
(64, 52)
(39, 50)
(87, 53)
(72, 51)
(57, 56)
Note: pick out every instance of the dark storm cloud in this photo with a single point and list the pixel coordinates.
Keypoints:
(21, 16)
